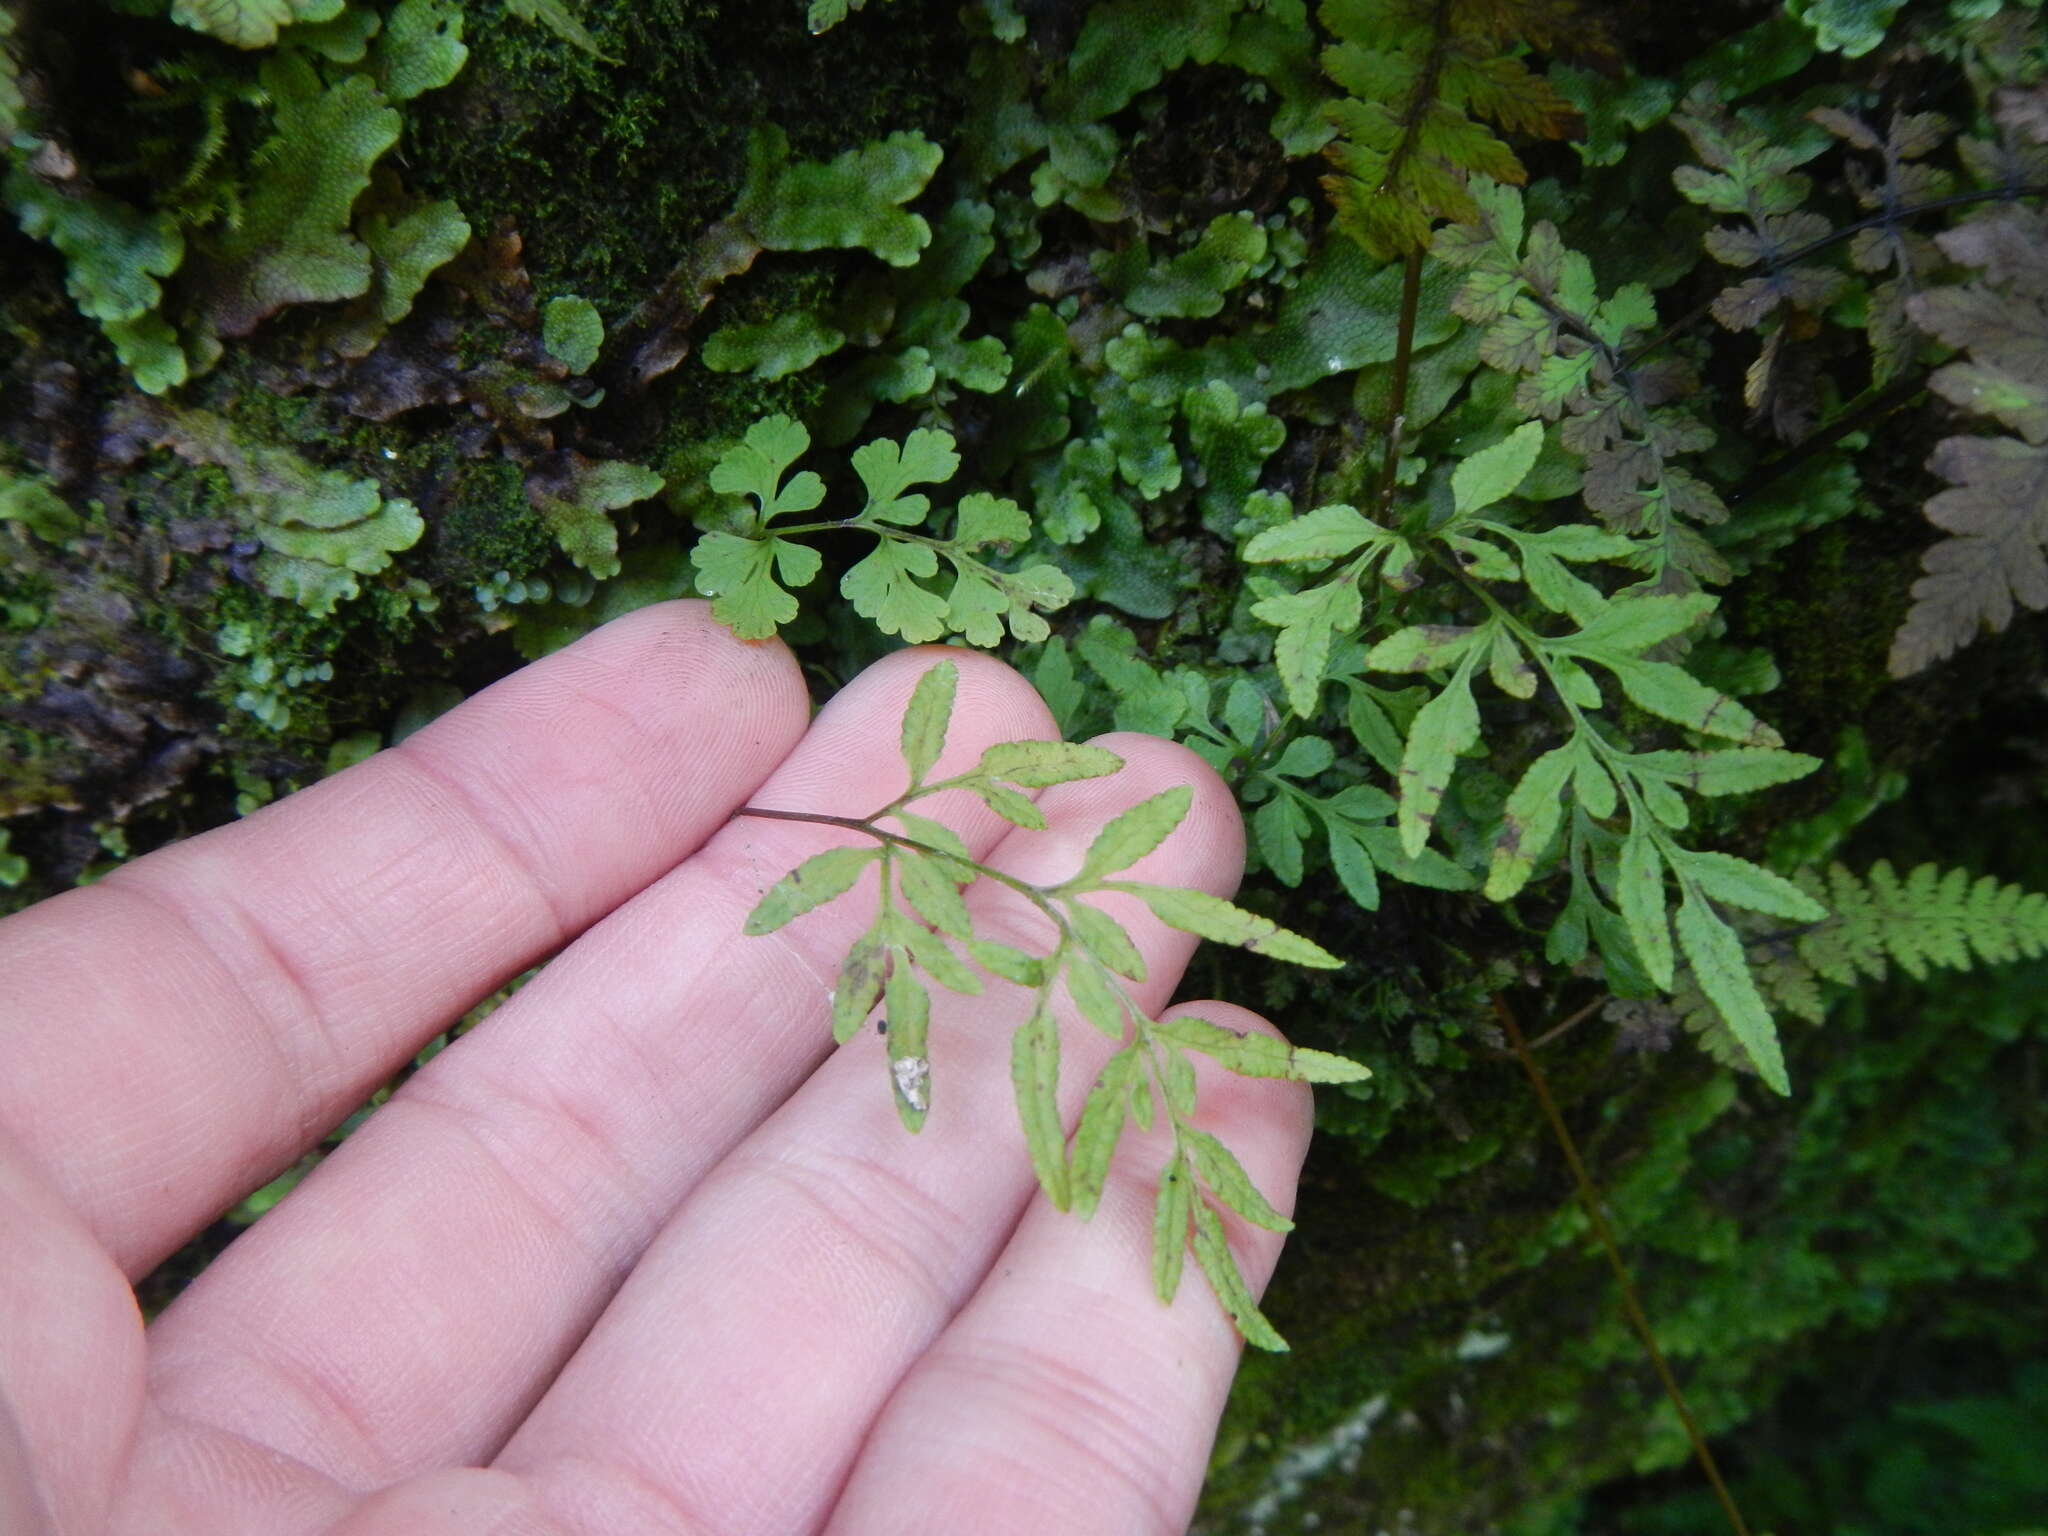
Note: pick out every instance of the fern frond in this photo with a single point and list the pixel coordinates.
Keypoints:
(1926, 920)
(1930, 919)
(1996, 558)
(1422, 80)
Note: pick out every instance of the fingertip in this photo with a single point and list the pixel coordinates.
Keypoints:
(681, 685)
(671, 649)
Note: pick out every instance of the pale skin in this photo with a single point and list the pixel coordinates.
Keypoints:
(644, 1253)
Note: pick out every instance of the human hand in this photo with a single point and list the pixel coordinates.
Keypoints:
(642, 1253)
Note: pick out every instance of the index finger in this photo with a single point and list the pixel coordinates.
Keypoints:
(184, 1028)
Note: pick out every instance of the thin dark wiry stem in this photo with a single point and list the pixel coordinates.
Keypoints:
(1397, 407)
(854, 824)
(1867, 414)
(1566, 1025)
(1692, 317)
(1630, 1305)
(850, 823)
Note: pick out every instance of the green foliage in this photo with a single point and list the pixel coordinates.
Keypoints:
(12, 103)
(1396, 504)
(420, 48)
(1850, 27)
(248, 224)
(1891, 246)
(405, 250)
(1747, 171)
(916, 322)
(251, 23)
(1924, 1465)
(748, 571)
(1570, 796)
(823, 15)
(560, 18)
(1853, 929)
(115, 257)
(31, 501)
(293, 244)
(1931, 918)
(266, 684)
(574, 497)
(1880, 1229)
(572, 332)
(1421, 82)
(773, 349)
(1576, 355)
(923, 874)
(13, 867)
(320, 528)
(1127, 47)
(854, 201)
(1193, 284)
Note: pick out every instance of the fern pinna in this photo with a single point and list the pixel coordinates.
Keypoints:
(1926, 920)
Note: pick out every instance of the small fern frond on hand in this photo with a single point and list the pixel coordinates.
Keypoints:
(924, 933)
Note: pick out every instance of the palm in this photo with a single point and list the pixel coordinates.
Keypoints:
(642, 1254)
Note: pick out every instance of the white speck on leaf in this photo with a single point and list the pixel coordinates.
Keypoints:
(912, 1074)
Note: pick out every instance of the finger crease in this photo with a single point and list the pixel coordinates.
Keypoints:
(886, 1217)
(325, 1413)
(560, 1213)
(275, 1028)
(1076, 1405)
(511, 854)
(581, 1477)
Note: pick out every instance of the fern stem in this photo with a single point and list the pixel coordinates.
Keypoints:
(1868, 413)
(1631, 1305)
(1571, 1022)
(854, 824)
(1699, 312)
(1404, 354)
(1422, 98)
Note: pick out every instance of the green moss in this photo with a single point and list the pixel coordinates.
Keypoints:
(609, 173)
(35, 760)
(483, 523)
(1466, 1362)
(268, 652)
